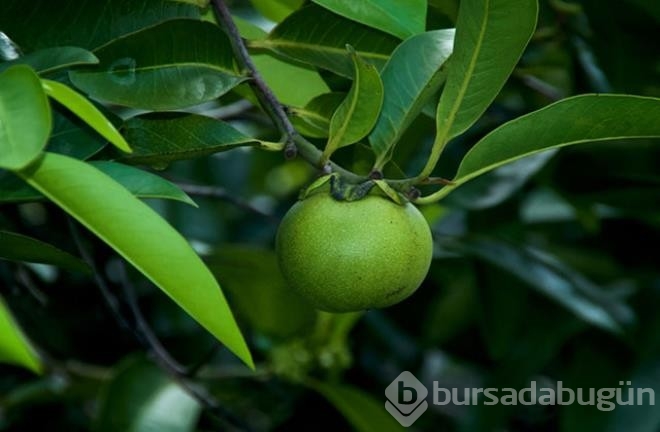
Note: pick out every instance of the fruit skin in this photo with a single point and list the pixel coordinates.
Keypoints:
(347, 256)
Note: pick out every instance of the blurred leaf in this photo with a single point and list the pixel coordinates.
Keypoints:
(498, 185)
(555, 280)
(318, 37)
(401, 19)
(411, 77)
(276, 10)
(14, 347)
(87, 112)
(575, 120)
(361, 410)
(141, 398)
(25, 117)
(51, 59)
(138, 234)
(17, 247)
(158, 139)
(357, 114)
(490, 38)
(40, 24)
(314, 119)
(73, 137)
(258, 291)
(176, 64)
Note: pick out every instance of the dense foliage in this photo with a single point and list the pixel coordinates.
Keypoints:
(148, 153)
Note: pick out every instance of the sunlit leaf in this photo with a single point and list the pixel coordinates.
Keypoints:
(401, 19)
(14, 347)
(142, 237)
(25, 117)
(175, 64)
(84, 109)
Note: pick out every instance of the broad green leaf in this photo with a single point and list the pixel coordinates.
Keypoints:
(51, 59)
(357, 114)
(175, 64)
(318, 37)
(557, 281)
(490, 38)
(401, 19)
(575, 120)
(73, 137)
(142, 237)
(411, 77)
(159, 139)
(84, 109)
(25, 118)
(362, 411)
(140, 397)
(14, 347)
(276, 10)
(140, 183)
(17, 247)
(88, 24)
(256, 287)
(314, 119)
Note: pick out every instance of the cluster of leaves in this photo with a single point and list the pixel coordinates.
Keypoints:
(537, 272)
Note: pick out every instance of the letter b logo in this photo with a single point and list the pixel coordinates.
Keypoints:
(406, 398)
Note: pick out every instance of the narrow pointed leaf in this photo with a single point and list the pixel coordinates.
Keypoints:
(142, 237)
(575, 120)
(86, 111)
(411, 77)
(51, 59)
(25, 117)
(14, 347)
(17, 247)
(359, 111)
(173, 65)
(399, 18)
(140, 183)
(158, 140)
(490, 38)
(318, 37)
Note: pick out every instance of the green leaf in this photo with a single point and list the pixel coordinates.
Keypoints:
(575, 120)
(276, 10)
(160, 139)
(318, 37)
(362, 411)
(141, 398)
(314, 119)
(175, 64)
(51, 59)
(17, 247)
(14, 347)
(401, 19)
(86, 111)
(357, 114)
(73, 137)
(552, 278)
(256, 287)
(25, 118)
(89, 24)
(142, 237)
(140, 183)
(490, 38)
(411, 77)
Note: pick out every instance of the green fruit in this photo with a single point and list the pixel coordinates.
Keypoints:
(347, 256)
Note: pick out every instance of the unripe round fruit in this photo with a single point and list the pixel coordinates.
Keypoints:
(347, 256)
